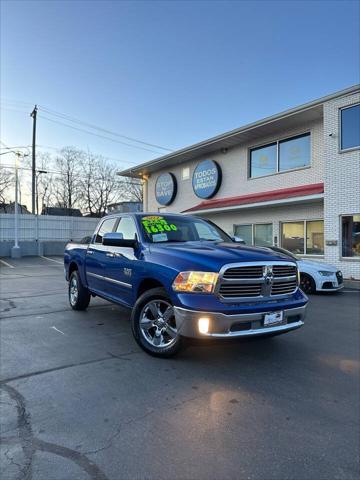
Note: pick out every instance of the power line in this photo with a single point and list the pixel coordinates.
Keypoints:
(17, 146)
(95, 127)
(59, 149)
(20, 104)
(12, 109)
(96, 134)
(11, 100)
(54, 172)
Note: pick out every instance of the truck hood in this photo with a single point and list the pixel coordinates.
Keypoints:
(210, 256)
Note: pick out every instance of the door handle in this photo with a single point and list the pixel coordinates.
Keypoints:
(110, 254)
(90, 252)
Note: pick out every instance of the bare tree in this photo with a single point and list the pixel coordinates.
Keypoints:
(44, 182)
(99, 185)
(75, 178)
(67, 190)
(133, 188)
(6, 182)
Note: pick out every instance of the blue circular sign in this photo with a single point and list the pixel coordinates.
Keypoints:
(165, 188)
(206, 179)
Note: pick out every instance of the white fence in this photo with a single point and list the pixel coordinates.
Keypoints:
(46, 227)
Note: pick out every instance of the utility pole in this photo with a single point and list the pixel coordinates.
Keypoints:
(33, 114)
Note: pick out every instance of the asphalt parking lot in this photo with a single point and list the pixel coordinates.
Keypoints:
(81, 401)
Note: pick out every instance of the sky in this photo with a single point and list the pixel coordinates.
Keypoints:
(167, 73)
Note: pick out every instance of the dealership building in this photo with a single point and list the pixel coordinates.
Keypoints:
(292, 180)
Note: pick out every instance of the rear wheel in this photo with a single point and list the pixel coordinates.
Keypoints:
(307, 283)
(79, 296)
(153, 324)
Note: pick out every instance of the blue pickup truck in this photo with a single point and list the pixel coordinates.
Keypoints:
(182, 276)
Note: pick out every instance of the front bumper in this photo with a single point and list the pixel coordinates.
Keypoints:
(235, 325)
(331, 283)
(334, 288)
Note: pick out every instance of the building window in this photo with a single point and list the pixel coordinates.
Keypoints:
(293, 235)
(350, 127)
(185, 173)
(259, 234)
(280, 156)
(294, 153)
(263, 160)
(315, 237)
(350, 235)
(244, 232)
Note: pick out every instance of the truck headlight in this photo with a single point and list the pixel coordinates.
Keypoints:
(326, 273)
(200, 282)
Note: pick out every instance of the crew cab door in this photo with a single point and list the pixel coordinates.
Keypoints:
(96, 257)
(121, 265)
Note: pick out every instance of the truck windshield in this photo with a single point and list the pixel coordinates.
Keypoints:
(173, 228)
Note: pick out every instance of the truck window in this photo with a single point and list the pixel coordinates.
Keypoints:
(207, 232)
(171, 228)
(128, 228)
(106, 227)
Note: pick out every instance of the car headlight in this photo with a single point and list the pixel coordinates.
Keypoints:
(195, 282)
(326, 273)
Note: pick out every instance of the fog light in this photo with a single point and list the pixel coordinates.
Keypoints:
(203, 324)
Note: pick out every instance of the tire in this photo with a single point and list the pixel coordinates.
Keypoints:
(79, 296)
(153, 324)
(307, 283)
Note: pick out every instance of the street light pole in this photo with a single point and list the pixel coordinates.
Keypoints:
(39, 172)
(15, 251)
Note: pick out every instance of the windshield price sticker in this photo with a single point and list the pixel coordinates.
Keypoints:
(157, 224)
(160, 237)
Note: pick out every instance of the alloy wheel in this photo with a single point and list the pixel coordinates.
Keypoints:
(74, 291)
(157, 323)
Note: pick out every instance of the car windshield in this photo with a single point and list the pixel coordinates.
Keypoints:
(174, 228)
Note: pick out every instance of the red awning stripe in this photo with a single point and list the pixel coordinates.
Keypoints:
(283, 193)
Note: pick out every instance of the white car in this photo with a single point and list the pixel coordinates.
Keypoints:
(316, 276)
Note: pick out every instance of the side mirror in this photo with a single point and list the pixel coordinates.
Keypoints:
(238, 240)
(115, 239)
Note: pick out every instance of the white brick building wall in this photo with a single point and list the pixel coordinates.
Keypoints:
(342, 184)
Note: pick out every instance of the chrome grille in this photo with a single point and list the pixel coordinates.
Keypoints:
(284, 270)
(240, 290)
(244, 272)
(283, 287)
(258, 280)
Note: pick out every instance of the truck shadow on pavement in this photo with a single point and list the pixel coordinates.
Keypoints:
(30, 444)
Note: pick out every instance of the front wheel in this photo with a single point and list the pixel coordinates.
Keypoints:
(153, 324)
(307, 283)
(79, 296)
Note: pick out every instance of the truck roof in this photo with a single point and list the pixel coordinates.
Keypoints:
(140, 214)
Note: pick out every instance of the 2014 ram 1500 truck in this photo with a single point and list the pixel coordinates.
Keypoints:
(182, 276)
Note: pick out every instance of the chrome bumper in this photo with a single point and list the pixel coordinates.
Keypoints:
(238, 325)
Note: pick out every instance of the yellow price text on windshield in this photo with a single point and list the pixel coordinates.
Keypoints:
(157, 225)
